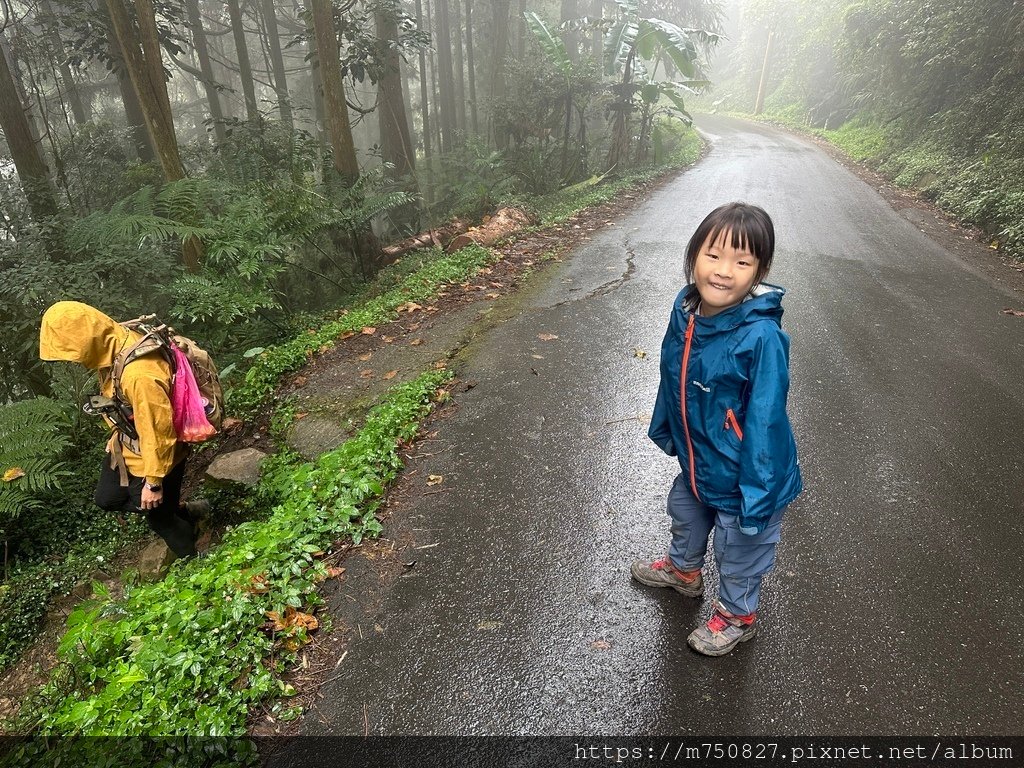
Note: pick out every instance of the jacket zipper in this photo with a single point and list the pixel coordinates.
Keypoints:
(682, 400)
(730, 421)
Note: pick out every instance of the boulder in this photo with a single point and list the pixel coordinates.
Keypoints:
(241, 467)
(154, 561)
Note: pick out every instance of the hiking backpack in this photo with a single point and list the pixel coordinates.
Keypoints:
(160, 338)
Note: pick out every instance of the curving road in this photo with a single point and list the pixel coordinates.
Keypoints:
(895, 606)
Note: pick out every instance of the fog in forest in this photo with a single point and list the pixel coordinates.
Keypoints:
(260, 157)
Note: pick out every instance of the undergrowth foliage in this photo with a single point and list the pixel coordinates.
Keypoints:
(31, 444)
(266, 372)
(191, 654)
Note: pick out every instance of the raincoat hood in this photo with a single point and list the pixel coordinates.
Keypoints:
(764, 303)
(79, 333)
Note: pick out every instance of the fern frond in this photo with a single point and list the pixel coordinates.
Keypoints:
(104, 230)
(31, 443)
(188, 200)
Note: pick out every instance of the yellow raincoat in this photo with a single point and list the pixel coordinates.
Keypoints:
(82, 334)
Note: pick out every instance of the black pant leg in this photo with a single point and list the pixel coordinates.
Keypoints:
(110, 494)
(170, 521)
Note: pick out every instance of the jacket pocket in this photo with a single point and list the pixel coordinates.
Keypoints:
(732, 423)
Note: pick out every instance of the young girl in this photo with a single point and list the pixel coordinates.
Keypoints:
(721, 409)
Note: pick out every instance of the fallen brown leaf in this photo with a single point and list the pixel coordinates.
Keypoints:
(258, 584)
(415, 342)
(493, 295)
(334, 572)
(366, 374)
(415, 326)
(347, 335)
(390, 375)
(300, 381)
(13, 474)
(369, 330)
(366, 357)
(639, 353)
(292, 620)
(301, 415)
(1014, 312)
(546, 336)
(387, 339)
(601, 645)
(435, 479)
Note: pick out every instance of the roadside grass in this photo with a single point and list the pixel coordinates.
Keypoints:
(983, 189)
(437, 269)
(192, 653)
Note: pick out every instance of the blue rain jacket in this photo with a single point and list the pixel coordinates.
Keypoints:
(736, 444)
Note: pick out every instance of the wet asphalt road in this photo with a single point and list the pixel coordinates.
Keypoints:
(896, 602)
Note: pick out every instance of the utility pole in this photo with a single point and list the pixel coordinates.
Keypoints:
(759, 103)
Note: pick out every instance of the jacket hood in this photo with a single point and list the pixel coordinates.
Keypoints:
(82, 334)
(764, 303)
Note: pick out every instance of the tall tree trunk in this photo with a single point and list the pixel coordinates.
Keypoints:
(395, 141)
(499, 28)
(424, 101)
(70, 87)
(438, 106)
(195, 21)
(277, 59)
(145, 67)
(519, 25)
(242, 54)
(597, 42)
(473, 120)
(460, 69)
(571, 39)
(319, 121)
(223, 73)
(342, 147)
(21, 90)
(445, 77)
(25, 151)
(132, 109)
(392, 118)
(407, 89)
(618, 151)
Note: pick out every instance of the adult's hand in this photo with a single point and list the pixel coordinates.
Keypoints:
(151, 499)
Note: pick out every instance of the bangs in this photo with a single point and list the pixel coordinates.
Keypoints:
(747, 227)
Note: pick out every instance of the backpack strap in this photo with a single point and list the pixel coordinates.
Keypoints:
(151, 341)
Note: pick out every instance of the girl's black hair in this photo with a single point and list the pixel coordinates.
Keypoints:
(750, 228)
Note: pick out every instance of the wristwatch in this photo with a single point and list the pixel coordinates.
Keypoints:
(154, 488)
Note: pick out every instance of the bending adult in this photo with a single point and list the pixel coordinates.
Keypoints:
(143, 473)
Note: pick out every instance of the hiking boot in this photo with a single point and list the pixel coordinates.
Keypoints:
(200, 512)
(664, 573)
(723, 632)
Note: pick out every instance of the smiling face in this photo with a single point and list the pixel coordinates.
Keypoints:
(723, 273)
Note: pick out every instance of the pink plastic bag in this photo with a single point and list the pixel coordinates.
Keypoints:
(187, 405)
